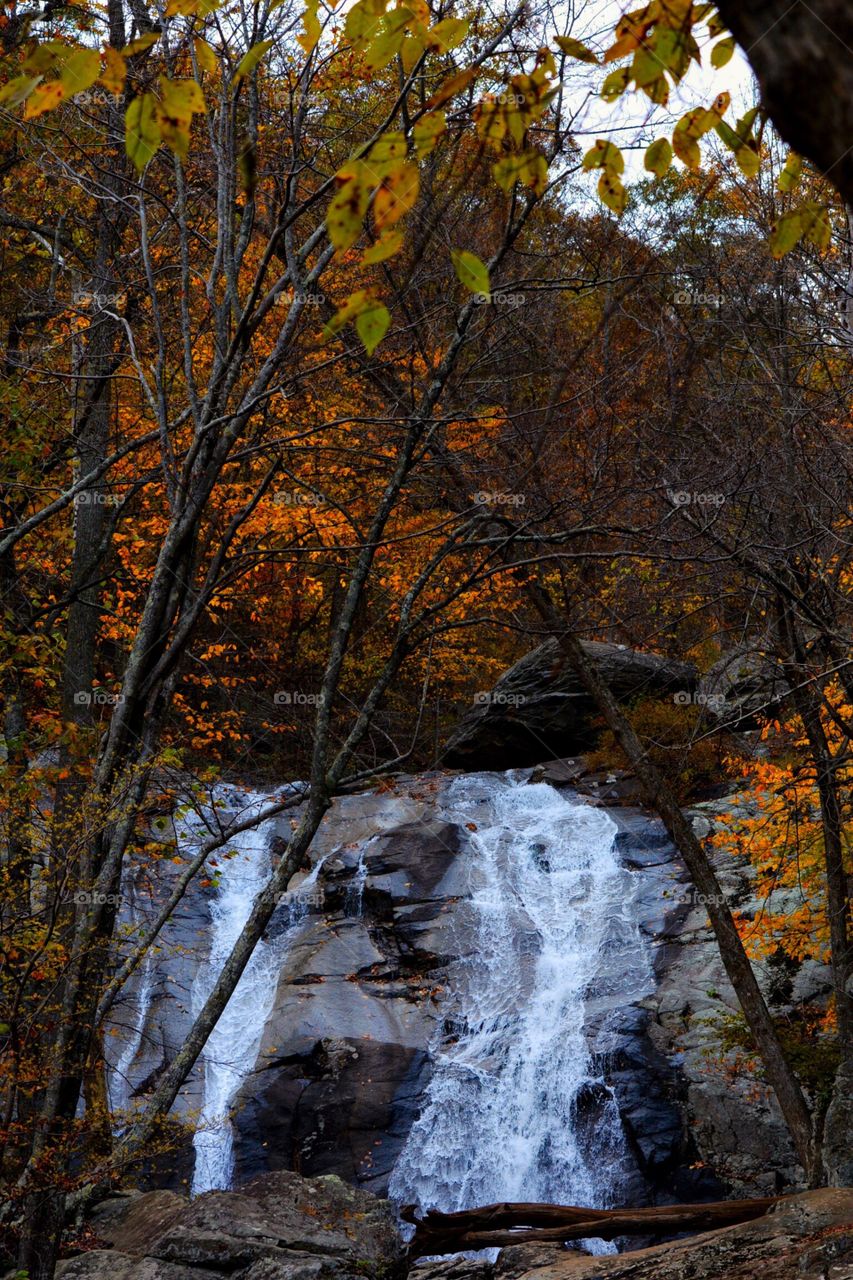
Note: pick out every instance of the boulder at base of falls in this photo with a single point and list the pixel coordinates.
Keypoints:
(278, 1227)
(538, 707)
(808, 1237)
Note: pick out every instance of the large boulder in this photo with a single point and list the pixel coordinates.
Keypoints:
(538, 708)
(743, 684)
(278, 1227)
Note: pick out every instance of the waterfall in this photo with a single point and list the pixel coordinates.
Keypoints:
(503, 1116)
(119, 1085)
(232, 1047)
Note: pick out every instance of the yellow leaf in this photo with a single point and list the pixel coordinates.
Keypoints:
(114, 73)
(396, 196)
(447, 34)
(250, 60)
(575, 49)
(45, 97)
(205, 55)
(658, 157)
(612, 192)
(455, 84)
(471, 271)
(140, 44)
(604, 155)
(142, 130)
(348, 206)
(385, 247)
(428, 130)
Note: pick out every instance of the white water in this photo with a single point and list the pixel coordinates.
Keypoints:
(500, 1118)
(232, 1048)
(119, 1080)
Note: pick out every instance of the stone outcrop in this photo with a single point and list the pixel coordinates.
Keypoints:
(538, 708)
(344, 1059)
(283, 1227)
(278, 1227)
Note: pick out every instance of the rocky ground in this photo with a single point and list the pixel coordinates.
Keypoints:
(283, 1227)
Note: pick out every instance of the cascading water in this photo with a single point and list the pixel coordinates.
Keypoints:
(502, 1117)
(232, 1047)
(119, 1082)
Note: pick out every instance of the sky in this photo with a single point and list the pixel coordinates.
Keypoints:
(634, 121)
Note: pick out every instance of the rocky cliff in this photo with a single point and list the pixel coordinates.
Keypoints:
(361, 989)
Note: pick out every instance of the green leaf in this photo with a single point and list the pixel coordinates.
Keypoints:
(372, 325)
(250, 60)
(388, 42)
(604, 155)
(80, 71)
(788, 231)
(612, 192)
(658, 157)
(471, 271)
(722, 52)
(142, 130)
(748, 160)
(385, 247)
(447, 34)
(790, 176)
(576, 49)
(427, 131)
(17, 90)
(615, 84)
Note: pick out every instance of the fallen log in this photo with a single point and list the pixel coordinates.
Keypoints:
(495, 1225)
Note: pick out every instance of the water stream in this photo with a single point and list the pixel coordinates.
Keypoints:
(516, 1108)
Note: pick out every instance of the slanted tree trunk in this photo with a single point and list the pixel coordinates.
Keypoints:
(659, 797)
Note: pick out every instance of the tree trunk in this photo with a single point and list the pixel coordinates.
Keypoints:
(800, 53)
(496, 1225)
(737, 965)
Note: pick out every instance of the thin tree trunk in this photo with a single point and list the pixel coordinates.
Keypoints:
(659, 796)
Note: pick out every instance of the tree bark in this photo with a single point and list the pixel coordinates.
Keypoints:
(801, 54)
(496, 1225)
(659, 796)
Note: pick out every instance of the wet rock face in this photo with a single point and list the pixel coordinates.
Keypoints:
(361, 992)
(278, 1227)
(538, 706)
